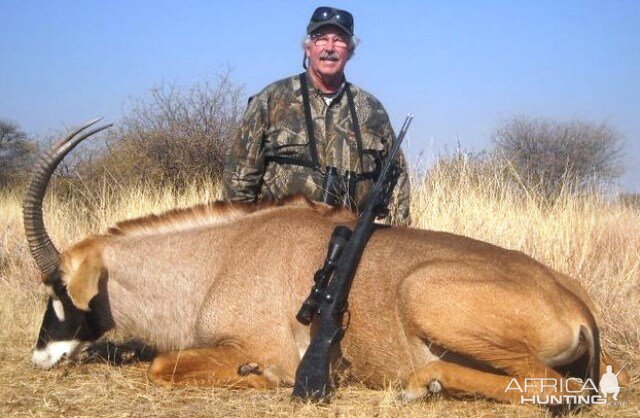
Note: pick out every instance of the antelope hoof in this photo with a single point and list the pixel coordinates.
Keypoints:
(249, 368)
(412, 394)
(435, 386)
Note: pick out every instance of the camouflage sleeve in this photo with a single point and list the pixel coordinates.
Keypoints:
(245, 165)
(401, 200)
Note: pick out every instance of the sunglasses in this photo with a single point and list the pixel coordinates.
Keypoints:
(322, 14)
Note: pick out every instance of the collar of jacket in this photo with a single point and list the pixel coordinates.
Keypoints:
(317, 92)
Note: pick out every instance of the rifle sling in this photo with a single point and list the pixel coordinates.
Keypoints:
(304, 89)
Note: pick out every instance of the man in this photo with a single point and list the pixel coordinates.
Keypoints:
(315, 133)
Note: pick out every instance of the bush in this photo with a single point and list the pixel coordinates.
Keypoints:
(172, 138)
(549, 157)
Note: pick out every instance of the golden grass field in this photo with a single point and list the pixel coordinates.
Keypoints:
(588, 238)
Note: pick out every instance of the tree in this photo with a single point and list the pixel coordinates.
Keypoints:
(16, 153)
(550, 156)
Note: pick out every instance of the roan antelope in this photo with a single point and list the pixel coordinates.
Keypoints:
(215, 290)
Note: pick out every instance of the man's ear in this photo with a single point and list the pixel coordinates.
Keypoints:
(307, 48)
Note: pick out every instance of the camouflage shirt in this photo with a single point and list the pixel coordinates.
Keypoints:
(274, 127)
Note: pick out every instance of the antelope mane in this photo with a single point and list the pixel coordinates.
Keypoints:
(211, 214)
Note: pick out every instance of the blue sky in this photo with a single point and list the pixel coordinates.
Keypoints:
(459, 66)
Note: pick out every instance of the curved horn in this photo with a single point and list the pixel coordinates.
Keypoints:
(45, 253)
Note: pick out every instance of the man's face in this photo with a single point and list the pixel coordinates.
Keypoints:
(328, 51)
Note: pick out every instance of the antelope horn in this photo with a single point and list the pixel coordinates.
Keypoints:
(45, 253)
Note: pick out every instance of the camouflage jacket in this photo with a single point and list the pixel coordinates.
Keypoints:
(274, 126)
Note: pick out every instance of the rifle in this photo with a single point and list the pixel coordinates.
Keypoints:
(328, 299)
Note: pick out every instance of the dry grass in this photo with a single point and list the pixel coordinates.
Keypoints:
(588, 238)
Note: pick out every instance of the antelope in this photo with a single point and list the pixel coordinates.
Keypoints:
(215, 289)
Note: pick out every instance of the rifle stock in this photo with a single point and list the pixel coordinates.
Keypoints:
(312, 376)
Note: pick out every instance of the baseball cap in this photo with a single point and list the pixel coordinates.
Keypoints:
(324, 16)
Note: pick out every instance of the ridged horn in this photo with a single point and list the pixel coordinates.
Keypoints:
(44, 252)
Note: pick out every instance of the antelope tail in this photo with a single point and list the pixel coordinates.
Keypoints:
(592, 336)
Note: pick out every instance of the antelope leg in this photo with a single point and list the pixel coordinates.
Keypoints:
(218, 366)
(460, 380)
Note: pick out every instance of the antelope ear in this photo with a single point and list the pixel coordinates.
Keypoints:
(82, 284)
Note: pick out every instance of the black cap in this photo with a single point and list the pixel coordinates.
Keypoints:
(325, 16)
